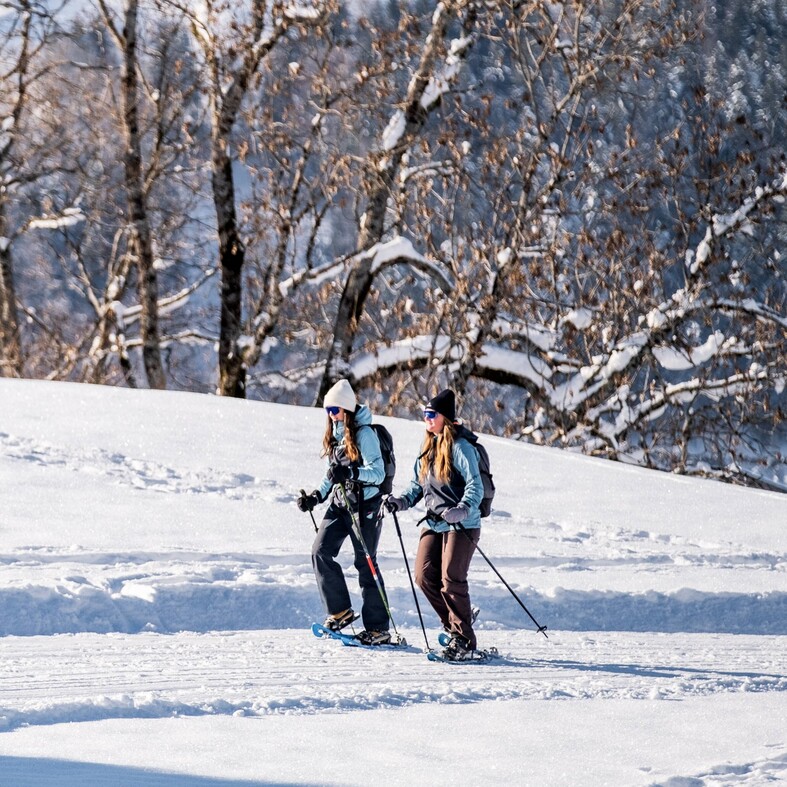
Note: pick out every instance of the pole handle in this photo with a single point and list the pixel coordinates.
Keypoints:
(311, 513)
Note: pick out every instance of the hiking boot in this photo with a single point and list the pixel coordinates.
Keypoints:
(458, 649)
(374, 637)
(340, 620)
(474, 613)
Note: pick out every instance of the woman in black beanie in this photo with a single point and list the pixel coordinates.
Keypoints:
(447, 477)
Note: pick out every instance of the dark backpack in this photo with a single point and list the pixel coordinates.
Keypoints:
(485, 509)
(484, 468)
(389, 459)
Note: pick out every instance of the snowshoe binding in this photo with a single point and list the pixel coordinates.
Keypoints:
(340, 620)
(375, 638)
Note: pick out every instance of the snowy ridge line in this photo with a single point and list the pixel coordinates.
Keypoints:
(42, 556)
(68, 559)
(140, 473)
(120, 706)
(205, 604)
(685, 610)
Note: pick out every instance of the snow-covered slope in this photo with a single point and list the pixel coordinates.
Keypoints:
(153, 565)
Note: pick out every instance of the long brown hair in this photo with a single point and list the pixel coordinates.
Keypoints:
(437, 453)
(350, 446)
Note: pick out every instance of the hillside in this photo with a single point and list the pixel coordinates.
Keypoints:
(156, 586)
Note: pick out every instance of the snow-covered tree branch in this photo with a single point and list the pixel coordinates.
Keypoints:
(572, 213)
(436, 70)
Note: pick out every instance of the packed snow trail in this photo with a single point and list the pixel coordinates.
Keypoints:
(89, 677)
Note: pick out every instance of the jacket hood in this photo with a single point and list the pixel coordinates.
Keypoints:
(363, 417)
(463, 431)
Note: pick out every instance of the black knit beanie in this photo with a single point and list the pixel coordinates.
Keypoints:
(444, 403)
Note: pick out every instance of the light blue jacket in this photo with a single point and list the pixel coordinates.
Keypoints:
(465, 486)
(371, 468)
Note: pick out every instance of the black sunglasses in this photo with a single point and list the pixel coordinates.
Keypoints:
(333, 410)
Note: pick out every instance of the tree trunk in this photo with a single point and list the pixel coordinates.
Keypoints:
(232, 372)
(140, 227)
(226, 102)
(10, 341)
(10, 345)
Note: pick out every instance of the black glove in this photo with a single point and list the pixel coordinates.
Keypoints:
(457, 514)
(308, 502)
(338, 474)
(394, 504)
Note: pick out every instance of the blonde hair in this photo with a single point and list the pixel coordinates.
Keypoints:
(437, 454)
(350, 446)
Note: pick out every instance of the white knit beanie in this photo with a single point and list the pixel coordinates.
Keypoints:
(341, 395)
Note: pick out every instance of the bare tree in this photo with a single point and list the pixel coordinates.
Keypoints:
(24, 31)
(83, 252)
(554, 207)
(234, 41)
(606, 266)
(436, 70)
(141, 241)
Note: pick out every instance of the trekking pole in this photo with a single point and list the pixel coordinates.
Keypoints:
(541, 629)
(311, 513)
(359, 534)
(412, 584)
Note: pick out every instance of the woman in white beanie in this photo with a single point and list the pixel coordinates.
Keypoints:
(356, 463)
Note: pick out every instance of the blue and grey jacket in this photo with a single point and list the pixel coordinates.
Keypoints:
(464, 486)
(370, 467)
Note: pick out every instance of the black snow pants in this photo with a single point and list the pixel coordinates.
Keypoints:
(335, 527)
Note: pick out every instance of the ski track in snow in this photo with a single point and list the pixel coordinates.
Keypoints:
(90, 677)
(139, 473)
(764, 771)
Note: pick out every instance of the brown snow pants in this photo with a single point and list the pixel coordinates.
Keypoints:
(441, 566)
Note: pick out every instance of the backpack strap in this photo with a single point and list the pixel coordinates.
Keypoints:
(362, 484)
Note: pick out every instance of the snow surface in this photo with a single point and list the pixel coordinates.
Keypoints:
(156, 591)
